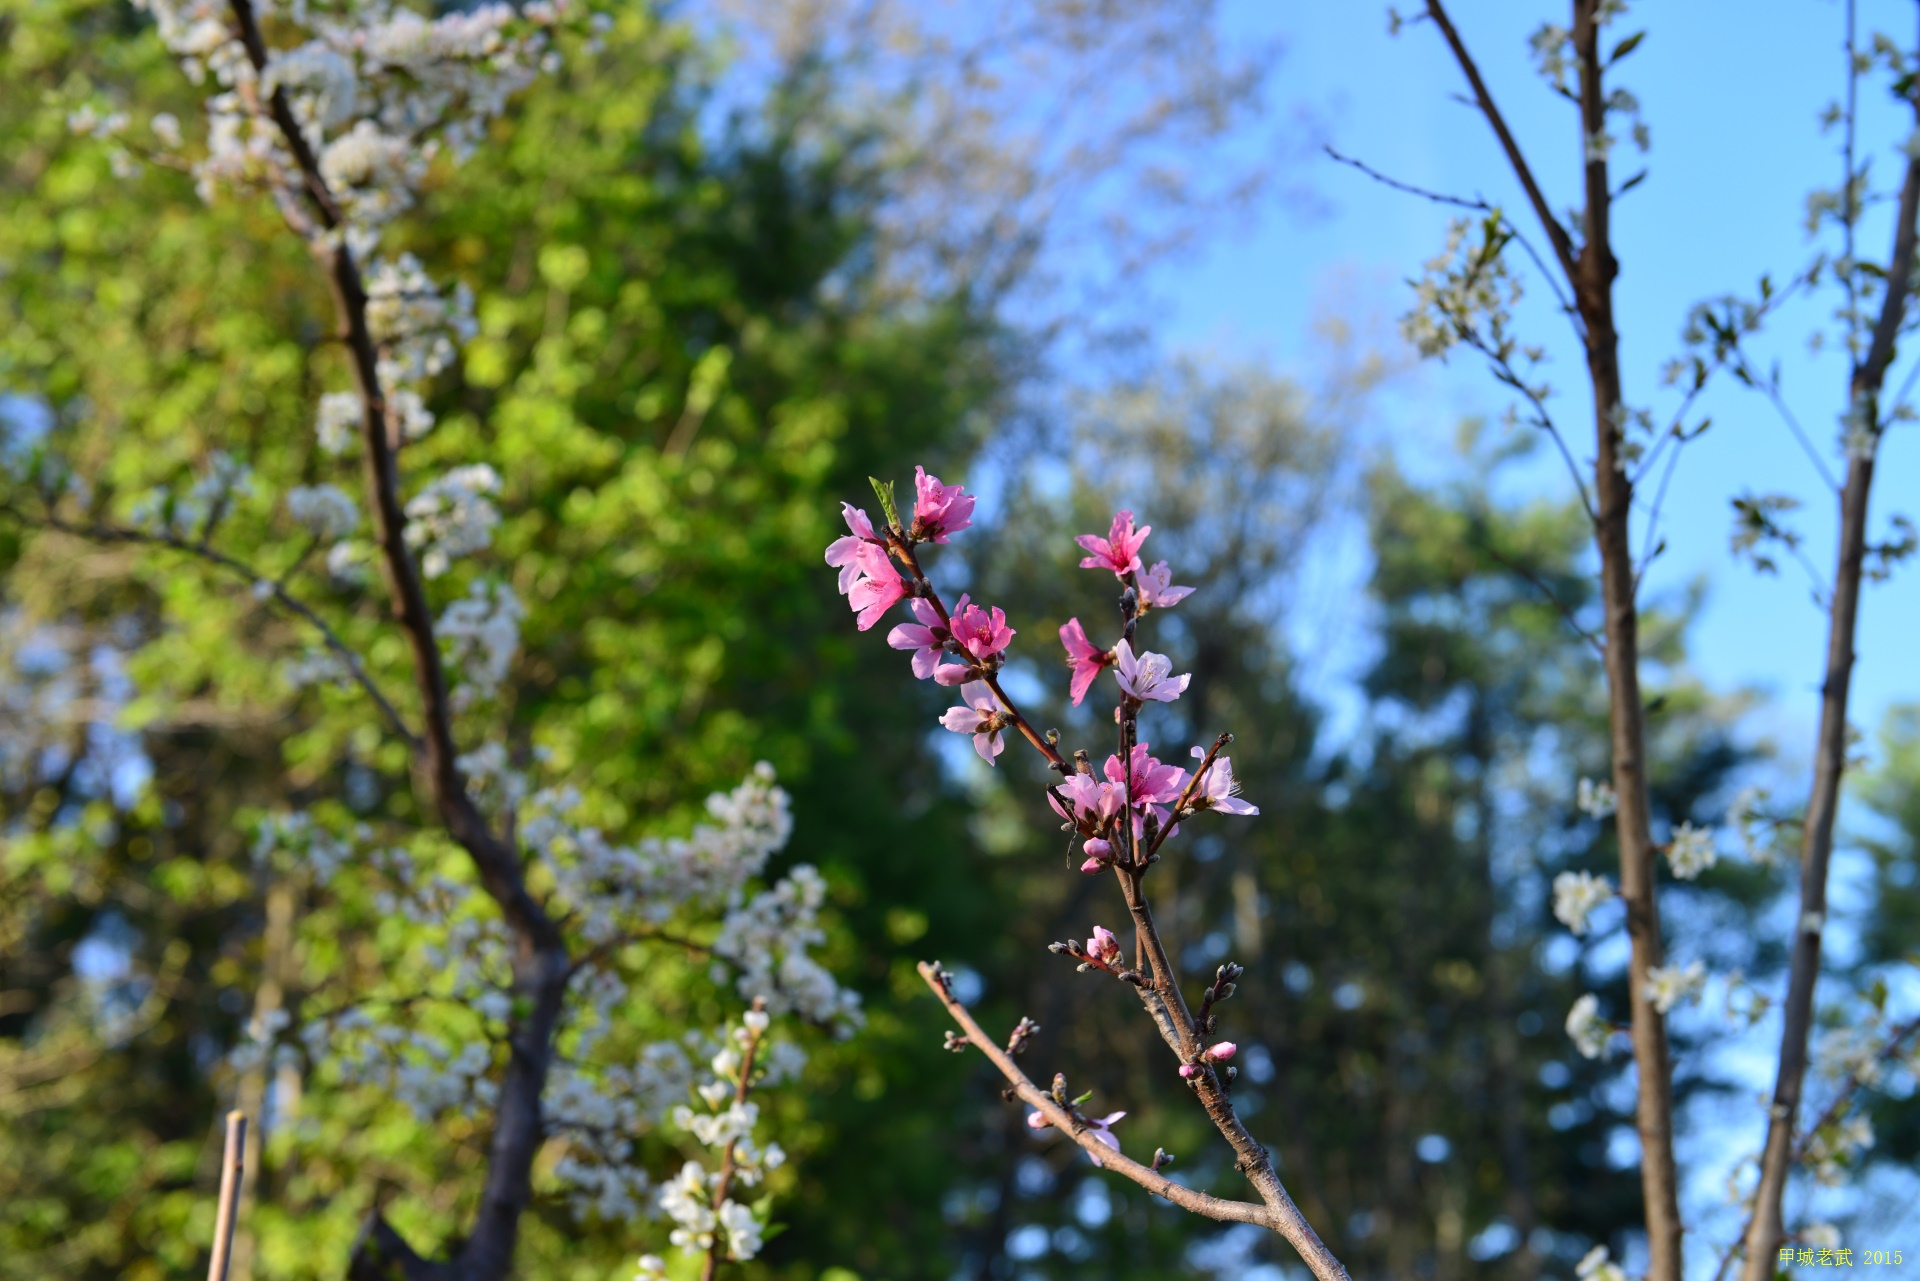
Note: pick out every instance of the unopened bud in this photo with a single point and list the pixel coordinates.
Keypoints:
(1220, 1053)
(1233, 1074)
(1189, 1070)
(1058, 948)
(1161, 1157)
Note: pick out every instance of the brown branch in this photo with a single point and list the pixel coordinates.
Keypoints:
(594, 955)
(1591, 274)
(1556, 234)
(1766, 1229)
(539, 958)
(1284, 1219)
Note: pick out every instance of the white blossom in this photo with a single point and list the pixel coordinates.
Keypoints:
(451, 517)
(325, 511)
(1691, 851)
(743, 1230)
(1852, 1051)
(1591, 1034)
(684, 1200)
(1821, 1236)
(1669, 985)
(1833, 1149)
(1576, 894)
(1595, 800)
(1746, 816)
(337, 423)
(482, 634)
(1598, 1266)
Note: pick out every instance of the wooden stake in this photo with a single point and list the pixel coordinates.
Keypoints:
(230, 1169)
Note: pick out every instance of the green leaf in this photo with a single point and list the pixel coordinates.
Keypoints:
(885, 494)
(1626, 47)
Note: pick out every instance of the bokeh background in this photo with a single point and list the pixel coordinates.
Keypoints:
(1077, 256)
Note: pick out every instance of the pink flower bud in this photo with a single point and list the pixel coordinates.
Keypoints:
(1189, 1070)
(1103, 946)
(1220, 1053)
(1038, 1120)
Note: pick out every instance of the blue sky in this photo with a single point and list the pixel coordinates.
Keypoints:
(1732, 93)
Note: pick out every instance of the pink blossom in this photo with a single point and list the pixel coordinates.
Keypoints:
(842, 551)
(981, 634)
(1099, 853)
(1102, 1131)
(939, 510)
(878, 588)
(1152, 782)
(927, 638)
(1220, 1053)
(1090, 800)
(1103, 948)
(1218, 788)
(1119, 551)
(1157, 590)
(1149, 677)
(1083, 657)
(978, 716)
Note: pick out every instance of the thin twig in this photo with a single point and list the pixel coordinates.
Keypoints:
(276, 591)
(1211, 1207)
(1480, 204)
(1545, 589)
(1556, 234)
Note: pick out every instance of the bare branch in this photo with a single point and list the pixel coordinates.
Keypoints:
(1556, 234)
(1291, 1226)
(276, 592)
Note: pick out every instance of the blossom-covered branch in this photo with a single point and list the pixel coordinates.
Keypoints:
(1122, 816)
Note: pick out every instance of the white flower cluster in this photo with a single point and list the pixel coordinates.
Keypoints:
(325, 511)
(1853, 1051)
(1834, 1149)
(1592, 1035)
(1691, 851)
(1576, 895)
(482, 634)
(289, 843)
(648, 883)
(376, 89)
(194, 514)
(1670, 985)
(1759, 833)
(414, 322)
(768, 938)
(1466, 294)
(1595, 800)
(337, 422)
(452, 517)
(315, 667)
(689, 1200)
